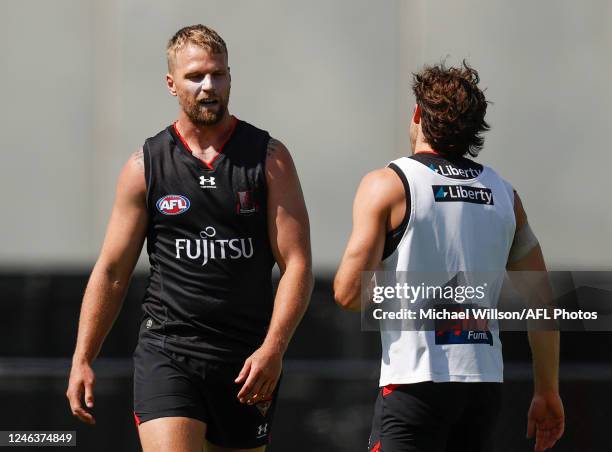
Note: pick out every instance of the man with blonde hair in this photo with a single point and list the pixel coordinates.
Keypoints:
(219, 202)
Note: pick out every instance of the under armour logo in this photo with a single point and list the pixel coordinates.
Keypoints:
(262, 430)
(207, 182)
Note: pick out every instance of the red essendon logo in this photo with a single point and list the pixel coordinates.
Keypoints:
(246, 202)
(173, 204)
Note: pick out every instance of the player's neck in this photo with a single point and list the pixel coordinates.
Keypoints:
(421, 146)
(201, 136)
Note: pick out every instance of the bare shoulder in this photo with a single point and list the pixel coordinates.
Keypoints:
(277, 151)
(279, 163)
(132, 180)
(137, 159)
(382, 185)
(380, 177)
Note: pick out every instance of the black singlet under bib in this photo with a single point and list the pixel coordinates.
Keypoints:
(210, 291)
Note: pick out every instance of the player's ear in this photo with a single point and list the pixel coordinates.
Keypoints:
(229, 72)
(416, 116)
(170, 84)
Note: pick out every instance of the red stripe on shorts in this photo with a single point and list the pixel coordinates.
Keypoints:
(389, 389)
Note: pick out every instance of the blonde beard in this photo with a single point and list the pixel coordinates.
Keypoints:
(197, 116)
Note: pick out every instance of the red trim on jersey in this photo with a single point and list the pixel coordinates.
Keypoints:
(389, 389)
(209, 164)
(234, 124)
(427, 152)
(376, 447)
(136, 419)
(178, 134)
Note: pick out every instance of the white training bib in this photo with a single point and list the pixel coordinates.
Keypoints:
(455, 225)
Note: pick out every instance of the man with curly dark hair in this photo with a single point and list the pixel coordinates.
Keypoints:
(439, 211)
(452, 108)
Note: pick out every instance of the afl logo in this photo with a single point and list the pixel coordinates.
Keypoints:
(173, 204)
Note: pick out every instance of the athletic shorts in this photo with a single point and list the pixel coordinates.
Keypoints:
(169, 384)
(435, 417)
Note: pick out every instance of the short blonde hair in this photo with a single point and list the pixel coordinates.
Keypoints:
(199, 35)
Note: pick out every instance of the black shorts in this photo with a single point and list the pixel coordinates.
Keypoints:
(169, 384)
(435, 417)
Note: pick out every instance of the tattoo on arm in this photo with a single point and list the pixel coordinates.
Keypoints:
(138, 157)
(273, 144)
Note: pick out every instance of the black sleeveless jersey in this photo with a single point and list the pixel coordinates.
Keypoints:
(210, 290)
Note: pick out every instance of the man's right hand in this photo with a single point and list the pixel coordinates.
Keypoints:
(81, 383)
(108, 282)
(546, 419)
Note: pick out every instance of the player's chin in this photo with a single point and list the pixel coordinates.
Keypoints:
(208, 117)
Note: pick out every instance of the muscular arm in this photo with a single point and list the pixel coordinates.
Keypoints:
(377, 196)
(109, 280)
(546, 417)
(289, 234)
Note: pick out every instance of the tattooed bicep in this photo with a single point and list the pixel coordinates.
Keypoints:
(138, 158)
(273, 145)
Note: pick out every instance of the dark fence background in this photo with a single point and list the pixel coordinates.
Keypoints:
(328, 390)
